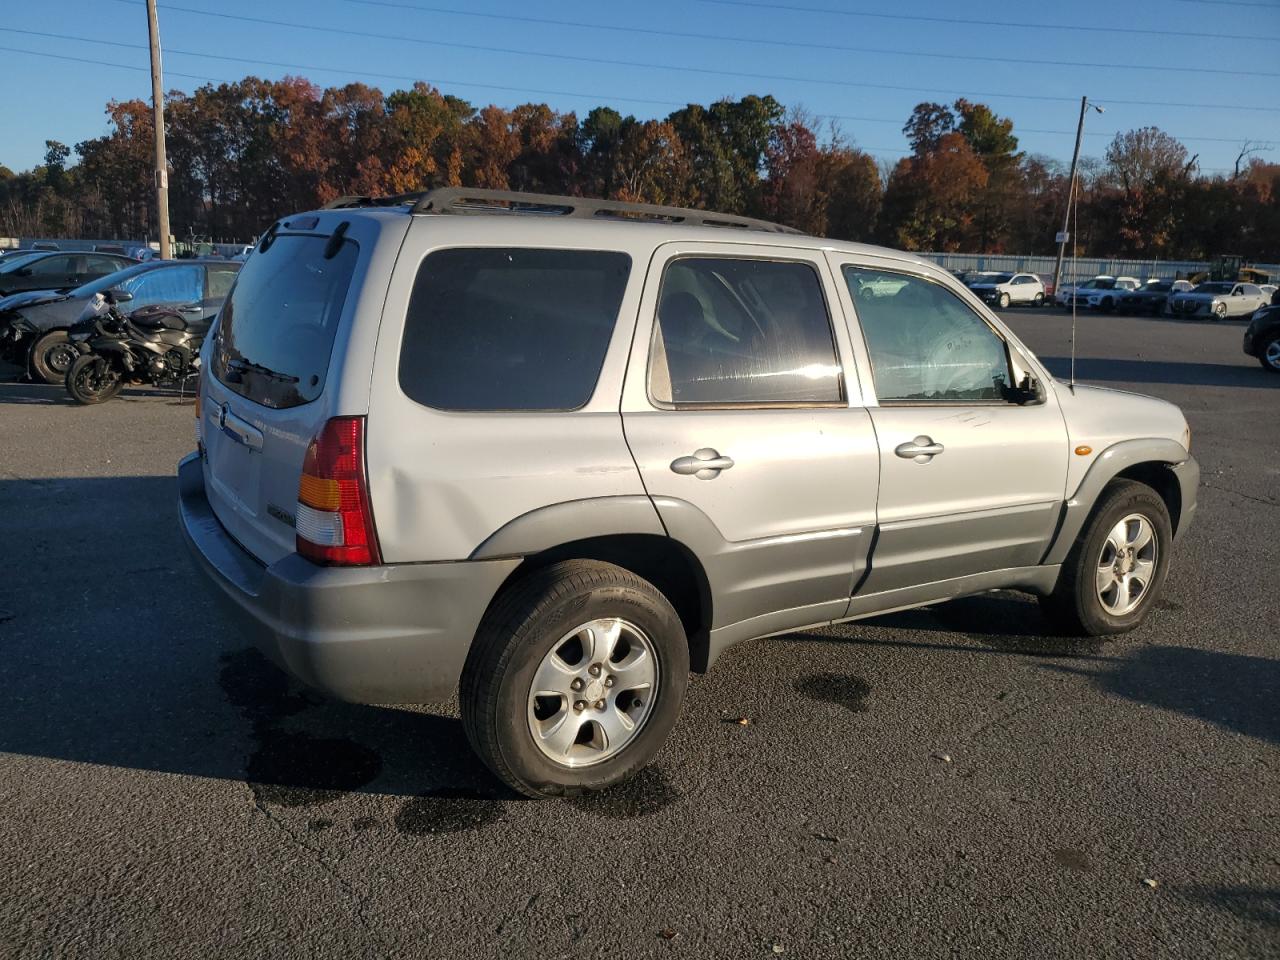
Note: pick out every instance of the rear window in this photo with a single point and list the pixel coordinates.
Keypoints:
(510, 328)
(276, 330)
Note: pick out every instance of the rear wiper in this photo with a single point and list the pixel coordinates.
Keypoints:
(248, 366)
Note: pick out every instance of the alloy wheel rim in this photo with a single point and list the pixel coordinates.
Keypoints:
(1273, 354)
(592, 692)
(1126, 565)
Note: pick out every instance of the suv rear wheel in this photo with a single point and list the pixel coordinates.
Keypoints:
(1117, 565)
(575, 679)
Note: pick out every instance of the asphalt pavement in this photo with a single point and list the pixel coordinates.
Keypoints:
(953, 781)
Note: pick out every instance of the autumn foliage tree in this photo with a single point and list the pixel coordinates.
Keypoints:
(243, 154)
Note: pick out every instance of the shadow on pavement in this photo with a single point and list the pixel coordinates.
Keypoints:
(1246, 374)
(115, 655)
(1230, 690)
(48, 394)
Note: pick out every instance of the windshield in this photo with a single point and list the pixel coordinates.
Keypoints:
(277, 328)
(999, 278)
(9, 264)
(1108, 283)
(1160, 286)
(1214, 288)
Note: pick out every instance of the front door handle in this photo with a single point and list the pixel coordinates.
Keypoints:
(705, 464)
(922, 449)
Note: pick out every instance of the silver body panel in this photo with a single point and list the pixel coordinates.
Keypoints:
(819, 520)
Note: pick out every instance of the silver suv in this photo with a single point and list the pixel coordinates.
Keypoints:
(554, 453)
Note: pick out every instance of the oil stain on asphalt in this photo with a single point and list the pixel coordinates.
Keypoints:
(448, 811)
(844, 690)
(290, 768)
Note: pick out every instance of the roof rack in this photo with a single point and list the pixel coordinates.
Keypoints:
(464, 201)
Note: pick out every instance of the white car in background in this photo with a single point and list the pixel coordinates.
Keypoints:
(1003, 289)
(1100, 293)
(1219, 299)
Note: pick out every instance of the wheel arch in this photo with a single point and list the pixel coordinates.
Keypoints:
(624, 531)
(1162, 464)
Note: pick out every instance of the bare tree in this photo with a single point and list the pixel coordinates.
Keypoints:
(1248, 149)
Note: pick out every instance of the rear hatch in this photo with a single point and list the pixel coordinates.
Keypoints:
(264, 395)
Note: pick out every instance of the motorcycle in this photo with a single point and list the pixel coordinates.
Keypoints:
(153, 345)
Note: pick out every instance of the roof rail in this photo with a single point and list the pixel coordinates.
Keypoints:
(464, 201)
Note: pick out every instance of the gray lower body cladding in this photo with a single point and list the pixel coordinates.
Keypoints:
(398, 633)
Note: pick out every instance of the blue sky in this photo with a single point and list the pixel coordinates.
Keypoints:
(793, 53)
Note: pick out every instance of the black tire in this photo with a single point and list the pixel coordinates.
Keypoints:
(1037, 300)
(1218, 313)
(52, 356)
(1107, 305)
(92, 379)
(1074, 605)
(1270, 345)
(1004, 301)
(522, 626)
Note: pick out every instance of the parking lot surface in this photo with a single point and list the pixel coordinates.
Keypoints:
(948, 781)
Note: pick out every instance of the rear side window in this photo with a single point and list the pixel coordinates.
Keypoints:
(742, 332)
(510, 328)
(277, 328)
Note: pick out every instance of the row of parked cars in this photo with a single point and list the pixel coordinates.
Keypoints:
(43, 294)
(1211, 300)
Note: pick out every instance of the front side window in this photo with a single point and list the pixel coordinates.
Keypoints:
(739, 331)
(924, 343)
(497, 328)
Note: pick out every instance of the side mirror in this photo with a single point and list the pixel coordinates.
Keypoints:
(120, 296)
(23, 271)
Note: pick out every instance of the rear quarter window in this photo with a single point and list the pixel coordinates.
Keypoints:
(276, 330)
(510, 328)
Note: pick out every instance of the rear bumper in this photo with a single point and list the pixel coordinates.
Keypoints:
(397, 633)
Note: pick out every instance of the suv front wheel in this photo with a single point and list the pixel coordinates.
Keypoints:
(1117, 565)
(575, 679)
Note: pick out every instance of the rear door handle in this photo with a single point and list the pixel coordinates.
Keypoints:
(922, 449)
(705, 464)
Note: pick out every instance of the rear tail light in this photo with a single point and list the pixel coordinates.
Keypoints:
(334, 522)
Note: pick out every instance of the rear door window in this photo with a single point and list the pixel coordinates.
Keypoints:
(736, 331)
(509, 328)
(277, 328)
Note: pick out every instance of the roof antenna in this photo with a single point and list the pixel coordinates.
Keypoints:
(1075, 275)
(1073, 215)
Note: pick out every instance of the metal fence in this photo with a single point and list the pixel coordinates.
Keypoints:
(1084, 267)
(131, 247)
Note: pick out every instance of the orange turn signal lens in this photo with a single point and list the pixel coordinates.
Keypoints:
(319, 493)
(1083, 451)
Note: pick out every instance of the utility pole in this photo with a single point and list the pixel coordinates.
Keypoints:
(157, 101)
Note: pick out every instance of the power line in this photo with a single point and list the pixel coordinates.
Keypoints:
(440, 82)
(613, 62)
(411, 78)
(804, 44)
(975, 21)
(1230, 3)
(118, 66)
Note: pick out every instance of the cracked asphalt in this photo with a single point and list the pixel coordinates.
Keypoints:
(954, 781)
